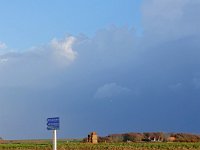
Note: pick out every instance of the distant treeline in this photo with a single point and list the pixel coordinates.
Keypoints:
(150, 137)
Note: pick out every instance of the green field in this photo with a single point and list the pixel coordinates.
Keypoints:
(64, 145)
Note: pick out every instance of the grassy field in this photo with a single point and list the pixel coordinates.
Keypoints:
(64, 145)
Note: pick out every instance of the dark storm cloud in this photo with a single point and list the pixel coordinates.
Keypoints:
(117, 81)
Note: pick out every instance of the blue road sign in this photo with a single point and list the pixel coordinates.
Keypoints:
(53, 123)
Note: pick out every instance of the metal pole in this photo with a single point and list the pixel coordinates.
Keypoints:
(54, 140)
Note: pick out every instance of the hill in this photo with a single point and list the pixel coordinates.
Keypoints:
(151, 137)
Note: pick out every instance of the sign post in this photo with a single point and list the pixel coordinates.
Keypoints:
(54, 140)
(53, 124)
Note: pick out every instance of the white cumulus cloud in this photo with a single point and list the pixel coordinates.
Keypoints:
(36, 66)
(63, 48)
(109, 90)
(2, 45)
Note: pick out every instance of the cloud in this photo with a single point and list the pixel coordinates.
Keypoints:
(63, 48)
(66, 75)
(176, 86)
(110, 90)
(38, 65)
(3, 47)
(3, 60)
(171, 18)
(196, 82)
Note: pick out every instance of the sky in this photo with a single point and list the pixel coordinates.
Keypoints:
(107, 66)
